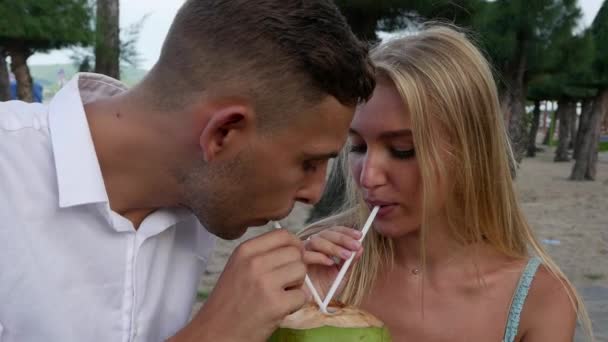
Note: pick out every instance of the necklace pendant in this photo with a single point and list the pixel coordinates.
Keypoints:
(415, 271)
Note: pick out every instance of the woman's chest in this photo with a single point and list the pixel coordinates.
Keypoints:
(441, 315)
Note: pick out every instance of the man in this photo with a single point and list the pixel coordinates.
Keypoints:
(108, 195)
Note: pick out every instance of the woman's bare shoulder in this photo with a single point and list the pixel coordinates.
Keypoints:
(549, 313)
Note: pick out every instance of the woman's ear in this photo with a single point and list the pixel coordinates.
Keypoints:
(226, 131)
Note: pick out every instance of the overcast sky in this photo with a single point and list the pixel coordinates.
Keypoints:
(161, 13)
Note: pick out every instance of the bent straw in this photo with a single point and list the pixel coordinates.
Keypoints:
(308, 282)
(342, 273)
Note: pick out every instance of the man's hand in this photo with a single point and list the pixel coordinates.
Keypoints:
(260, 285)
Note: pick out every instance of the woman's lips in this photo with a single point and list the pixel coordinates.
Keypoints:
(385, 207)
(385, 210)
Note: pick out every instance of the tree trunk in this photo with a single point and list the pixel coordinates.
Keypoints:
(5, 86)
(19, 56)
(515, 110)
(604, 127)
(514, 107)
(573, 126)
(534, 130)
(107, 45)
(583, 124)
(585, 167)
(551, 130)
(564, 111)
(544, 120)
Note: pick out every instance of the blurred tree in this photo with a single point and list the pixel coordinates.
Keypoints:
(367, 17)
(523, 39)
(85, 65)
(29, 26)
(128, 43)
(573, 127)
(585, 167)
(107, 41)
(551, 129)
(564, 113)
(583, 124)
(534, 129)
(567, 63)
(129, 56)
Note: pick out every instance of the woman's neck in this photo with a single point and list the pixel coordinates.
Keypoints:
(440, 249)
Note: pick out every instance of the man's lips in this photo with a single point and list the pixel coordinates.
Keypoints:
(263, 221)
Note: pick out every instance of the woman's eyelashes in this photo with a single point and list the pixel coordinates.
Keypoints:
(397, 153)
(403, 154)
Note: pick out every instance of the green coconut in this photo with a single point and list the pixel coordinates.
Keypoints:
(341, 324)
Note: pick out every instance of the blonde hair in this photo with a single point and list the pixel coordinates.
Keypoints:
(448, 88)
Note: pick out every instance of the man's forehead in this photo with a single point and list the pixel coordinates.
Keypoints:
(331, 107)
(321, 131)
(327, 117)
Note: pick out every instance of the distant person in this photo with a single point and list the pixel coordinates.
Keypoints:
(37, 91)
(109, 196)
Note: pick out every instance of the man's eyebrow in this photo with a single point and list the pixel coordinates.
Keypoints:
(320, 156)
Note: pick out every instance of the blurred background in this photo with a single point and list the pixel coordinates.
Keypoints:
(551, 65)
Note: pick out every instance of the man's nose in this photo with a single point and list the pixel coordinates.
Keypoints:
(312, 190)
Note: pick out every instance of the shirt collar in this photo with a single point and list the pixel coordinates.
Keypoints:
(79, 177)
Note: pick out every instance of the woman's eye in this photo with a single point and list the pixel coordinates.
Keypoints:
(403, 154)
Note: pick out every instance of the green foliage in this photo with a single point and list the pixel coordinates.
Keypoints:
(595, 276)
(42, 25)
(579, 64)
(128, 41)
(574, 54)
(599, 31)
(539, 30)
(368, 16)
(202, 296)
(130, 58)
(535, 30)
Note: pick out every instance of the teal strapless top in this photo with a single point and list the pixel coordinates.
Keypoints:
(519, 298)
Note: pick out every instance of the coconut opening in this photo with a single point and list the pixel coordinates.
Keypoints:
(339, 315)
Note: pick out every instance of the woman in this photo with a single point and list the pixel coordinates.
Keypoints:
(451, 256)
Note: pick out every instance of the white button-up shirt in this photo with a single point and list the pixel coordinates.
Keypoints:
(71, 269)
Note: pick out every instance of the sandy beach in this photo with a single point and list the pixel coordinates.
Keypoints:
(575, 214)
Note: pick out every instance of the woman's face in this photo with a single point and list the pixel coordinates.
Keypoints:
(383, 161)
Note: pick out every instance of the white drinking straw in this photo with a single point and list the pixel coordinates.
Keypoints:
(308, 282)
(336, 283)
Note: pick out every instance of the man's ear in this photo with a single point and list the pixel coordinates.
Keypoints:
(226, 131)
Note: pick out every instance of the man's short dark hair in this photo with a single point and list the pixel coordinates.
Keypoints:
(281, 53)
